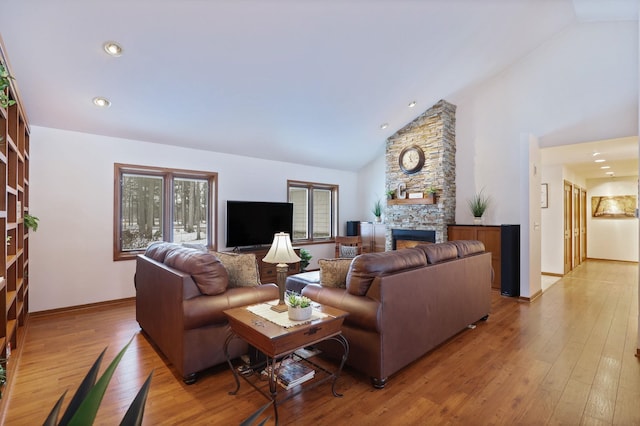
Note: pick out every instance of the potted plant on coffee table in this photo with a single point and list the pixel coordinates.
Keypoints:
(300, 308)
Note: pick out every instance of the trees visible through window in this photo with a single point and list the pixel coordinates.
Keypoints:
(155, 204)
(314, 210)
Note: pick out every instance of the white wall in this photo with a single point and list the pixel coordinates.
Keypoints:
(371, 184)
(528, 97)
(71, 186)
(530, 213)
(613, 239)
(552, 224)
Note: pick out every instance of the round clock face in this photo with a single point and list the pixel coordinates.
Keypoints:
(411, 159)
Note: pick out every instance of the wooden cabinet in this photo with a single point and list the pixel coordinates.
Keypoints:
(374, 236)
(14, 253)
(266, 270)
(503, 242)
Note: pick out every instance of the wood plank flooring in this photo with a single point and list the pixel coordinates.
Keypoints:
(567, 358)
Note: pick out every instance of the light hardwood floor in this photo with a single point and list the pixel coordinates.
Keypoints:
(567, 358)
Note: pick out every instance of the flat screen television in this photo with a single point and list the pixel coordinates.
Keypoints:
(253, 223)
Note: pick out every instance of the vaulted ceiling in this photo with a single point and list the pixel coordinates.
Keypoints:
(305, 81)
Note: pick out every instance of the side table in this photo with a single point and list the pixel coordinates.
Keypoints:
(276, 342)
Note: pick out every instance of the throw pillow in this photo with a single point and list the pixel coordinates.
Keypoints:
(241, 267)
(348, 251)
(333, 272)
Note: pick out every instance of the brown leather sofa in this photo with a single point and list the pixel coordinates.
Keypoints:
(404, 303)
(181, 294)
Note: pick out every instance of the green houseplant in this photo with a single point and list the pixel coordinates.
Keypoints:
(31, 222)
(430, 194)
(391, 194)
(478, 205)
(5, 81)
(305, 258)
(300, 308)
(377, 210)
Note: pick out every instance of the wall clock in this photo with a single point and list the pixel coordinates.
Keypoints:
(411, 159)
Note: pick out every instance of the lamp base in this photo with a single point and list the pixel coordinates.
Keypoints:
(280, 307)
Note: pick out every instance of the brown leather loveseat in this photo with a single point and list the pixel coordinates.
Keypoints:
(181, 294)
(404, 303)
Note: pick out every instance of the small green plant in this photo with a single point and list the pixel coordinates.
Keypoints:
(377, 208)
(31, 222)
(5, 81)
(305, 258)
(297, 301)
(391, 194)
(478, 203)
(431, 190)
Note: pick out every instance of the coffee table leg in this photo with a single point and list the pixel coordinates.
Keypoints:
(233, 370)
(345, 346)
(271, 363)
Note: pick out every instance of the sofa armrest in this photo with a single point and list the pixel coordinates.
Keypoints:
(364, 312)
(206, 310)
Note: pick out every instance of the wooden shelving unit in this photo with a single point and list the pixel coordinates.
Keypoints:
(397, 201)
(14, 254)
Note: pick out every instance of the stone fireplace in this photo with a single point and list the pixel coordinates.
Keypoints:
(433, 132)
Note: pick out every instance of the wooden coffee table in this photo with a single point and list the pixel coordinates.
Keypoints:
(276, 342)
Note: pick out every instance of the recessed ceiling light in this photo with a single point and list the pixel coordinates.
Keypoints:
(605, 167)
(595, 153)
(112, 48)
(600, 160)
(101, 102)
(384, 126)
(610, 173)
(412, 104)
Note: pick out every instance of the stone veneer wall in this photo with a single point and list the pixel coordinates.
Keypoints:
(435, 132)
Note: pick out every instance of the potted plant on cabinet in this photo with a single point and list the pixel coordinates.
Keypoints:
(377, 210)
(478, 205)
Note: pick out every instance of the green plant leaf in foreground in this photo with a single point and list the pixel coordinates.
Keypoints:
(83, 390)
(86, 413)
(133, 416)
(53, 415)
(252, 418)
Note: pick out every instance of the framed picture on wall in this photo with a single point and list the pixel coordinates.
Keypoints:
(544, 200)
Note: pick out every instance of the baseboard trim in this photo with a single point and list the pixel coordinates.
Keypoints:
(530, 299)
(551, 274)
(610, 260)
(66, 310)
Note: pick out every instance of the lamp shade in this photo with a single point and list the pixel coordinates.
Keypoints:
(281, 250)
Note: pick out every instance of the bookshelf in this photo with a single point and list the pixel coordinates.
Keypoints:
(14, 254)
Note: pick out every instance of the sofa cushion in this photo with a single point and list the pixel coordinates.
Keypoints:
(366, 267)
(439, 252)
(159, 249)
(206, 270)
(333, 272)
(468, 247)
(241, 267)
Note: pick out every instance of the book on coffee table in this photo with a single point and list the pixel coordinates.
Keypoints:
(294, 373)
(291, 373)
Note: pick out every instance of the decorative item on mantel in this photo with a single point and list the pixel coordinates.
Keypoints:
(377, 210)
(478, 205)
(281, 253)
(430, 194)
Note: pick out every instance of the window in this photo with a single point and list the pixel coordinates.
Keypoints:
(155, 204)
(315, 210)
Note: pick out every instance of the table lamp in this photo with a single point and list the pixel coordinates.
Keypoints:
(281, 253)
